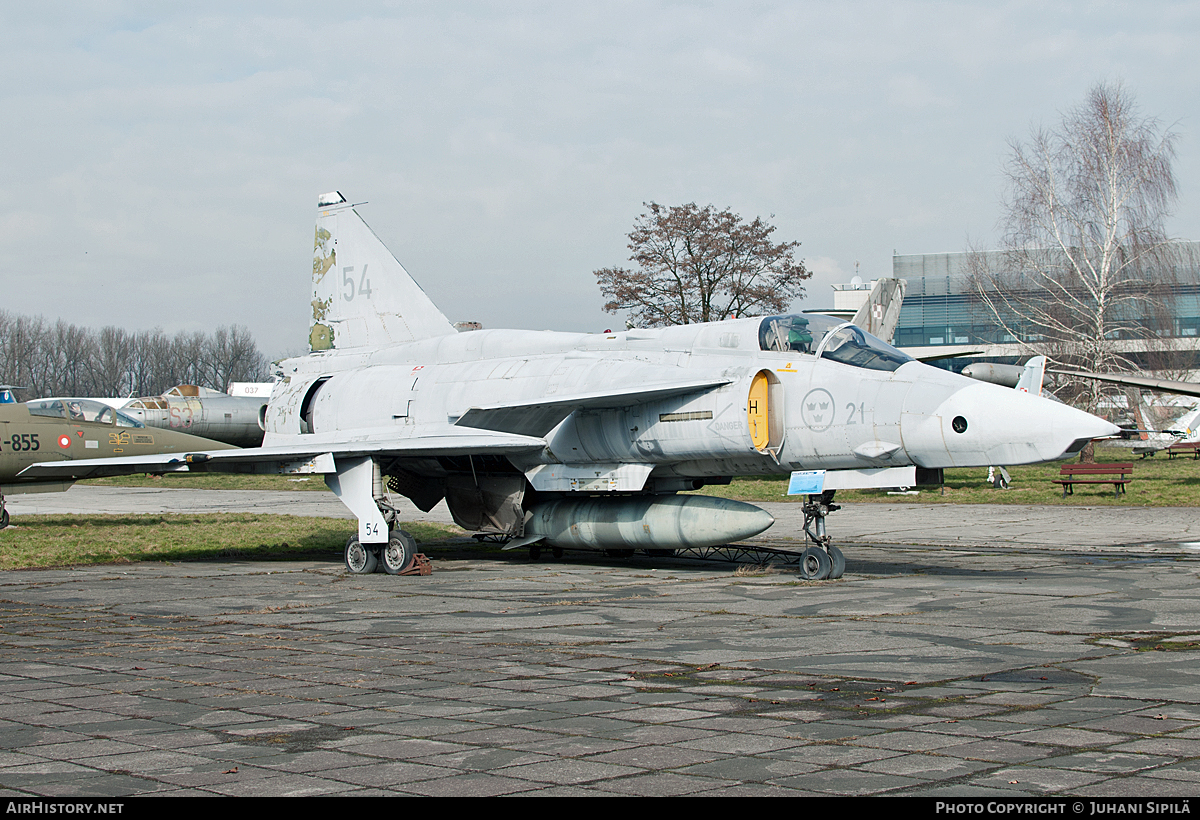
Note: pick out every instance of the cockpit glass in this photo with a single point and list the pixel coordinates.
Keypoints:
(831, 338)
(87, 410)
(81, 410)
(850, 344)
(125, 421)
(47, 407)
(786, 334)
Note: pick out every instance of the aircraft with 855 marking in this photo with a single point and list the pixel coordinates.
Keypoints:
(66, 429)
(585, 441)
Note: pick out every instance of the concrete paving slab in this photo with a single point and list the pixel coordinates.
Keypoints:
(1000, 644)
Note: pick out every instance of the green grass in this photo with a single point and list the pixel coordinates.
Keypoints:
(1157, 482)
(71, 540)
(58, 540)
(214, 481)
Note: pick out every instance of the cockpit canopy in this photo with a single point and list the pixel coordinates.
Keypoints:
(817, 335)
(81, 410)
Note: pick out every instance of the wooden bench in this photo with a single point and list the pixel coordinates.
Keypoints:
(1117, 475)
(1183, 448)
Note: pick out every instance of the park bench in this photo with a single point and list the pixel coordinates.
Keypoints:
(1117, 475)
(1183, 448)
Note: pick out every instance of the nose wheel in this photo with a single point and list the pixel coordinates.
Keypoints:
(822, 560)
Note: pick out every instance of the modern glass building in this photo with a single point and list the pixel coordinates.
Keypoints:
(942, 316)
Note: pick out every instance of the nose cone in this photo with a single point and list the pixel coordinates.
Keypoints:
(978, 425)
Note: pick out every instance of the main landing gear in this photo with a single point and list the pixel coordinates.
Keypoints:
(397, 557)
(822, 560)
(358, 482)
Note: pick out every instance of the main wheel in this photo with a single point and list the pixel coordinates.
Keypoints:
(3, 519)
(837, 561)
(397, 556)
(815, 564)
(360, 560)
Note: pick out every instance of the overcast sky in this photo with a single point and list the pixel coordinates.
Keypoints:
(161, 167)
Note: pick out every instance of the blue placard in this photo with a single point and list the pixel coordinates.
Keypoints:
(806, 482)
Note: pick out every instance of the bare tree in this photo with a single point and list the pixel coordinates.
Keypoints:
(233, 356)
(189, 355)
(110, 363)
(152, 369)
(701, 265)
(1087, 271)
(66, 360)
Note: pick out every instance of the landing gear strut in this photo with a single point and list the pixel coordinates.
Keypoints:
(358, 482)
(822, 560)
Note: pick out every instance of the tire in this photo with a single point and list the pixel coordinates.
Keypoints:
(360, 559)
(837, 561)
(815, 564)
(3, 519)
(397, 556)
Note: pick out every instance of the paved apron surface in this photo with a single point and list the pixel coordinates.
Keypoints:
(1022, 650)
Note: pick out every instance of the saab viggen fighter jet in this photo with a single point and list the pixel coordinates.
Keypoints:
(577, 440)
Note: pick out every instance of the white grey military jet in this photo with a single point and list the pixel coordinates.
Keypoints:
(577, 440)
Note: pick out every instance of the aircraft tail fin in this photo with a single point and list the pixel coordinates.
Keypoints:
(1032, 376)
(362, 296)
(880, 314)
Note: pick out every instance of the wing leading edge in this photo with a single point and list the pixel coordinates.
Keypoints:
(305, 457)
(1163, 385)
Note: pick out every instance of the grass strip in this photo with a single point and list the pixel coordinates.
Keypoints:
(74, 540)
(1158, 481)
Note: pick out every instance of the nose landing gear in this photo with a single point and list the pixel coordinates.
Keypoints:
(822, 560)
